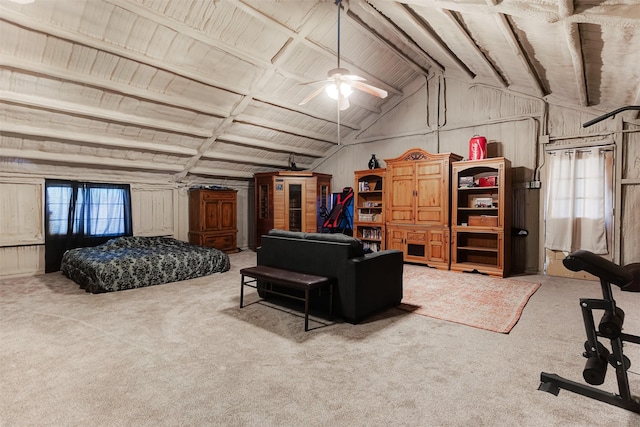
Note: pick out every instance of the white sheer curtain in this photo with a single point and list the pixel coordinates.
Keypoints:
(578, 203)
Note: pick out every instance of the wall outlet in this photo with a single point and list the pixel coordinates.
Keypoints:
(535, 184)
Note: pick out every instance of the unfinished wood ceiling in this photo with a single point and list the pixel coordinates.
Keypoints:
(206, 88)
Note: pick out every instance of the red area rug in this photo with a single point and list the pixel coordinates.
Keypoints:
(484, 302)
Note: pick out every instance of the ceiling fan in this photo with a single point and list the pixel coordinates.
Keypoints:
(340, 83)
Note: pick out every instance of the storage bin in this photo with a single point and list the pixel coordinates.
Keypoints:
(483, 221)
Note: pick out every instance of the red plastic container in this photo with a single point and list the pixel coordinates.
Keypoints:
(477, 148)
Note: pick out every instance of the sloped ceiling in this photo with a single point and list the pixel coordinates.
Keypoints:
(205, 88)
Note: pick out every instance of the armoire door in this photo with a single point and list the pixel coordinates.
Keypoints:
(401, 204)
(431, 197)
(227, 215)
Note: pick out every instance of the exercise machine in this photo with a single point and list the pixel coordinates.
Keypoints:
(610, 327)
(339, 220)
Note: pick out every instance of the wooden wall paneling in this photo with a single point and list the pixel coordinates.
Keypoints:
(21, 213)
(153, 211)
(18, 261)
(630, 194)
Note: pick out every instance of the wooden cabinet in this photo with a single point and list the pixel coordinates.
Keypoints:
(418, 206)
(368, 217)
(481, 216)
(289, 200)
(213, 219)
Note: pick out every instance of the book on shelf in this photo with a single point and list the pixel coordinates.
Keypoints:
(372, 204)
(372, 233)
(371, 246)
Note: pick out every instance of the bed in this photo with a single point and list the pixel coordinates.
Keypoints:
(135, 262)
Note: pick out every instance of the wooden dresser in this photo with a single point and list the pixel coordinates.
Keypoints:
(213, 219)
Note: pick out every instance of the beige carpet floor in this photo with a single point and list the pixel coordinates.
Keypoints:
(185, 354)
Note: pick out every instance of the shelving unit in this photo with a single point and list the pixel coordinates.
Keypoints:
(368, 221)
(481, 216)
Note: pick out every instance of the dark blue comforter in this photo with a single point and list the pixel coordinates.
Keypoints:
(135, 262)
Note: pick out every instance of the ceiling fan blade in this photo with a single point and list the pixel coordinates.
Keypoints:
(315, 81)
(353, 77)
(372, 90)
(312, 95)
(343, 103)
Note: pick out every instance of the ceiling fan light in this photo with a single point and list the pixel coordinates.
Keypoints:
(332, 90)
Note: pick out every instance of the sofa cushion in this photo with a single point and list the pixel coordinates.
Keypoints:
(356, 248)
(355, 245)
(287, 233)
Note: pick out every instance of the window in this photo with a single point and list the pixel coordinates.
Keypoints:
(80, 214)
(579, 200)
(95, 209)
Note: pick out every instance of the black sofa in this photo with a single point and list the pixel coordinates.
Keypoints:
(366, 283)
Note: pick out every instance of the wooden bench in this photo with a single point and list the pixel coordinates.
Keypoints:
(289, 279)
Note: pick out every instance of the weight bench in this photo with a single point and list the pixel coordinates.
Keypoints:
(290, 279)
(610, 326)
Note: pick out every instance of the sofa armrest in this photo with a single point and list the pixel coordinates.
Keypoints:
(377, 279)
(374, 255)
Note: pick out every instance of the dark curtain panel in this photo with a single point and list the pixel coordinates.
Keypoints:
(82, 214)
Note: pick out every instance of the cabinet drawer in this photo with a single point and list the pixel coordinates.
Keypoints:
(483, 221)
(420, 236)
(224, 242)
(220, 242)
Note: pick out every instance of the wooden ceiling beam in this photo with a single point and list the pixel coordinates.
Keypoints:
(110, 86)
(224, 173)
(299, 36)
(625, 16)
(18, 19)
(414, 20)
(505, 27)
(83, 138)
(50, 157)
(23, 21)
(268, 145)
(366, 7)
(103, 114)
(279, 127)
(572, 33)
(253, 160)
(474, 47)
(314, 46)
(184, 29)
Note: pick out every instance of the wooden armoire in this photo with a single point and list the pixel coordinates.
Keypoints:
(213, 219)
(290, 200)
(418, 206)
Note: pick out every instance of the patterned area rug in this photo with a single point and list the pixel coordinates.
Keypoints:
(484, 302)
